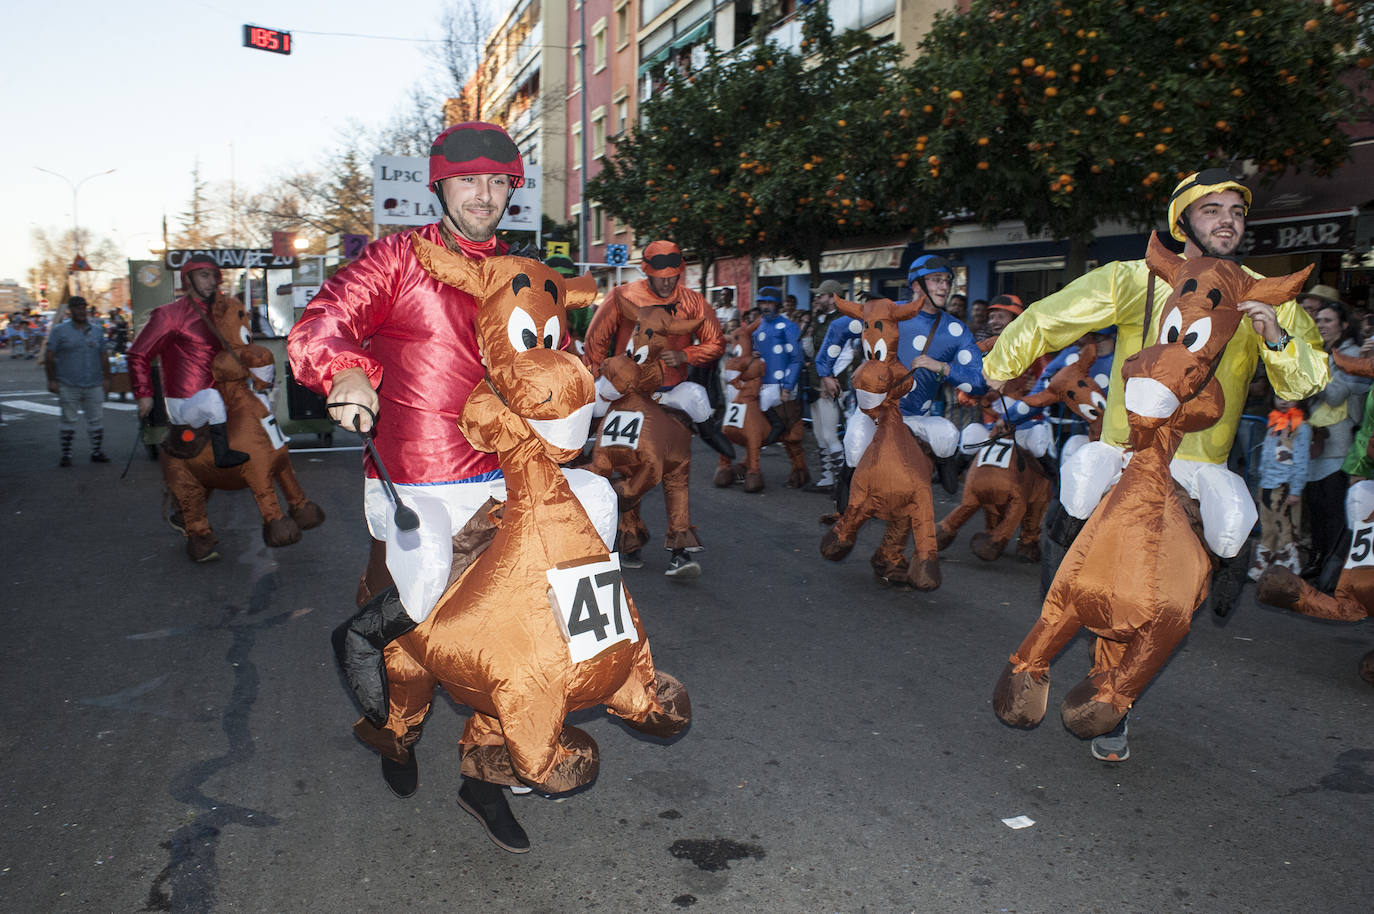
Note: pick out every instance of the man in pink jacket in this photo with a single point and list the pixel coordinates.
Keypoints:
(180, 333)
(396, 351)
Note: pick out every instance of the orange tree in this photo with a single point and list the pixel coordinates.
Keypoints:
(1066, 113)
(767, 153)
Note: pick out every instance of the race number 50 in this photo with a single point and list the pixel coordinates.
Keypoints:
(1361, 548)
(589, 601)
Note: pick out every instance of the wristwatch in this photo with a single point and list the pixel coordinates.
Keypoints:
(1281, 343)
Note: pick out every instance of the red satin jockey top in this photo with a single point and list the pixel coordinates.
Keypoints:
(416, 338)
(608, 333)
(179, 334)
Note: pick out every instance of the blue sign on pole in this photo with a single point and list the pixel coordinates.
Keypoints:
(617, 254)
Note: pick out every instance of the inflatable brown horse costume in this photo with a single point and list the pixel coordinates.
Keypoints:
(745, 425)
(242, 371)
(892, 480)
(1354, 596)
(1008, 484)
(640, 444)
(1138, 570)
(539, 625)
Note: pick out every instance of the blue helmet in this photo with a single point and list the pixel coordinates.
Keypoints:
(925, 265)
(769, 293)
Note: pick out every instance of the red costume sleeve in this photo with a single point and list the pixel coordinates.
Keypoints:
(602, 333)
(348, 309)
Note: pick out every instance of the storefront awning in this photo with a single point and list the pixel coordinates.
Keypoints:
(1295, 195)
(851, 261)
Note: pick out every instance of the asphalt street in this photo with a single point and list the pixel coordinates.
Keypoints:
(176, 738)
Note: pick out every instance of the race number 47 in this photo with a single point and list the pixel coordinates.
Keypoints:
(588, 599)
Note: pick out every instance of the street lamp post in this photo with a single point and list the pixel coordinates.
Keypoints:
(76, 231)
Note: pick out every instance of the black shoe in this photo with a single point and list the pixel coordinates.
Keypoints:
(682, 566)
(842, 480)
(402, 779)
(487, 803)
(99, 457)
(358, 645)
(631, 559)
(225, 456)
(175, 521)
(66, 460)
(776, 426)
(712, 435)
(948, 469)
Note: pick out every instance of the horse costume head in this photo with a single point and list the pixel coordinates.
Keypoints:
(1075, 387)
(653, 326)
(880, 317)
(743, 364)
(521, 323)
(882, 378)
(1199, 319)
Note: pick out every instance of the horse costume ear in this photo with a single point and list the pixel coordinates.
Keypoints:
(488, 424)
(1275, 290)
(1163, 262)
(581, 291)
(903, 311)
(849, 308)
(447, 267)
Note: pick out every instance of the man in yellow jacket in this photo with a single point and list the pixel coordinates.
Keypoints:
(1207, 213)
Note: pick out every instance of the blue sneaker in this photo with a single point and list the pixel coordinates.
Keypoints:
(1112, 746)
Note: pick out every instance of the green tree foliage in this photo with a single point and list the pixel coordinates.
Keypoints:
(766, 153)
(1064, 113)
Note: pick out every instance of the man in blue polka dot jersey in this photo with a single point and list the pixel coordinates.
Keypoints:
(939, 349)
(778, 342)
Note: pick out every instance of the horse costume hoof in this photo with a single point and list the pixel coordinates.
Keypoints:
(308, 516)
(925, 573)
(281, 532)
(944, 537)
(676, 711)
(724, 478)
(834, 548)
(986, 548)
(1279, 587)
(1367, 668)
(1084, 716)
(753, 482)
(201, 547)
(1028, 552)
(1019, 699)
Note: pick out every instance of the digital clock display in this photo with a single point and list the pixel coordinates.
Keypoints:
(275, 40)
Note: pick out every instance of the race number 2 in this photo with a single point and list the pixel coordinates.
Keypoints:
(269, 425)
(621, 428)
(996, 453)
(734, 415)
(589, 602)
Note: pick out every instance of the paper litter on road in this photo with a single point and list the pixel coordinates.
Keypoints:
(1018, 822)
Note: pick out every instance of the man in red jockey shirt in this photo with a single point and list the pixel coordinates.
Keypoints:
(180, 333)
(396, 351)
(609, 333)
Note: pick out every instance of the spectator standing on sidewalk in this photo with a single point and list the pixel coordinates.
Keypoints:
(79, 373)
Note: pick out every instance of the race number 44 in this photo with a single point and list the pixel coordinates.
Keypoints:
(589, 601)
(621, 428)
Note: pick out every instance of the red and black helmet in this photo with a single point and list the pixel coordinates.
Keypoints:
(199, 262)
(475, 148)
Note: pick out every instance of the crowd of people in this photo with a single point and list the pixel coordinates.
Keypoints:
(393, 346)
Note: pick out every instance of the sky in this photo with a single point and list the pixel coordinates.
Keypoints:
(150, 87)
